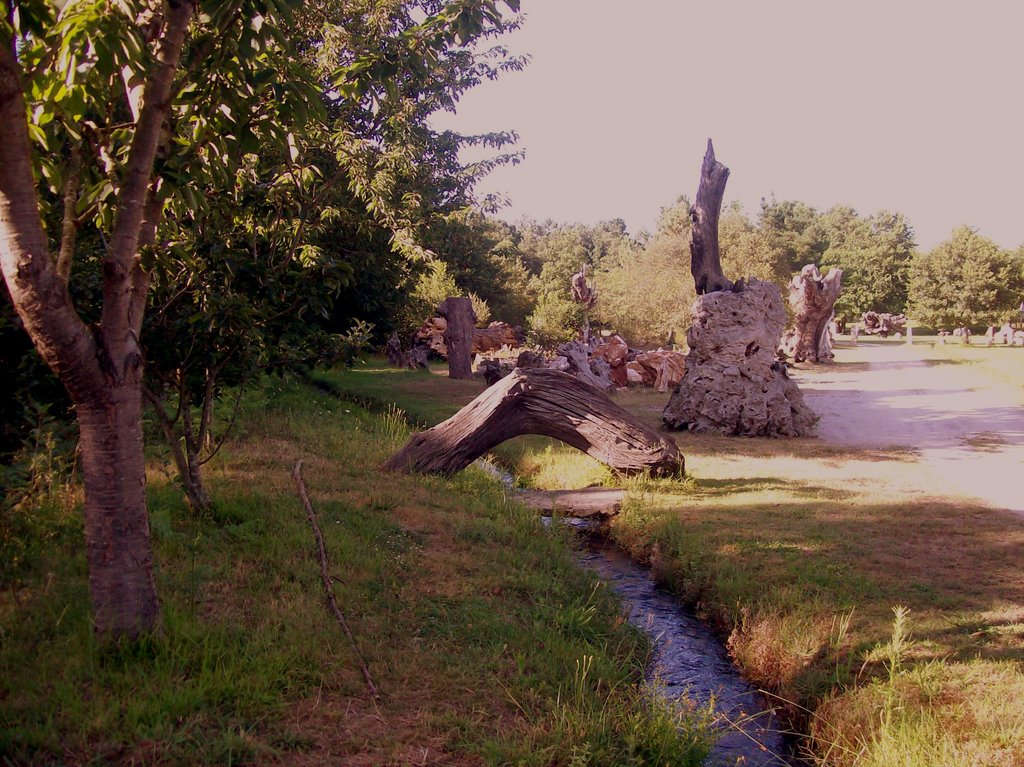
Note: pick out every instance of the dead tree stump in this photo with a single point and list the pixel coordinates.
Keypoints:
(546, 402)
(705, 261)
(458, 335)
(732, 383)
(813, 298)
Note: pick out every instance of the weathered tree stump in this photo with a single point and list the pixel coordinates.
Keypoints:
(458, 335)
(813, 298)
(705, 261)
(546, 402)
(585, 294)
(495, 336)
(396, 357)
(732, 383)
(578, 356)
(883, 324)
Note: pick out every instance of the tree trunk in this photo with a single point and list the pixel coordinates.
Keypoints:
(192, 479)
(101, 367)
(118, 547)
(813, 298)
(546, 402)
(458, 335)
(732, 383)
(705, 261)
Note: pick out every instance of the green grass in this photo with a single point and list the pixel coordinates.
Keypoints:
(487, 641)
(798, 551)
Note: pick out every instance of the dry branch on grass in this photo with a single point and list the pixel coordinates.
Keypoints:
(325, 577)
(546, 402)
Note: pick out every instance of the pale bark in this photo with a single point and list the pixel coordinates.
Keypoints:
(545, 402)
(38, 294)
(732, 383)
(812, 298)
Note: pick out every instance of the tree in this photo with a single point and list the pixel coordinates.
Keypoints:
(124, 132)
(965, 281)
(874, 254)
(795, 230)
(640, 290)
(747, 251)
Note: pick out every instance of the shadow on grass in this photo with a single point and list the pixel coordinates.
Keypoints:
(774, 576)
(717, 488)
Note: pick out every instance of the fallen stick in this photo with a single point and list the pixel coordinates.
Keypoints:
(325, 576)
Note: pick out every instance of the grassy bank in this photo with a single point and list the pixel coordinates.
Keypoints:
(800, 554)
(489, 645)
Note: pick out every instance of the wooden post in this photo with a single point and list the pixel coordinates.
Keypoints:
(705, 261)
(458, 336)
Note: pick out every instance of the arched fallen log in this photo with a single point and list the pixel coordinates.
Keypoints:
(546, 402)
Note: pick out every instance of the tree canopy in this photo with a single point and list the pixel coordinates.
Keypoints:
(966, 281)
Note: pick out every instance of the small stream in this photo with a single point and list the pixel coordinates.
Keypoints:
(688, 660)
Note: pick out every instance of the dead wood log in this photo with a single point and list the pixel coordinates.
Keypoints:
(705, 261)
(325, 578)
(812, 298)
(579, 362)
(458, 335)
(396, 357)
(497, 335)
(545, 402)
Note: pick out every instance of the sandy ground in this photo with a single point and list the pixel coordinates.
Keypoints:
(966, 429)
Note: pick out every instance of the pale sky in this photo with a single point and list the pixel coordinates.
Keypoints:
(915, 106)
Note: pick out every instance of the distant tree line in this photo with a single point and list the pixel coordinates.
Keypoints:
(522, 270)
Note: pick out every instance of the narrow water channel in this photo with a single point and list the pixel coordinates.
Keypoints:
(690, 661)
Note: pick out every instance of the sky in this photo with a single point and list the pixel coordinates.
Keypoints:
(915, 106)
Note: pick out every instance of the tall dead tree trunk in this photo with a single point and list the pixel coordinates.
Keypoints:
(585, 294)
(546, 402)
(813, 298)
(731, 383)
(705, 261)
(458, 335)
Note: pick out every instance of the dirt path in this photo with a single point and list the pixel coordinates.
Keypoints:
(966, 429)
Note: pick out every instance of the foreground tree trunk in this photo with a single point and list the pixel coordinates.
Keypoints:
(118, 549)
(546, 402)
(732, 383)
(813, 298)
(458, 335)
(101, 367)
(705, 260)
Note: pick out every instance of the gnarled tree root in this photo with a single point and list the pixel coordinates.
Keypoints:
(547, 402)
